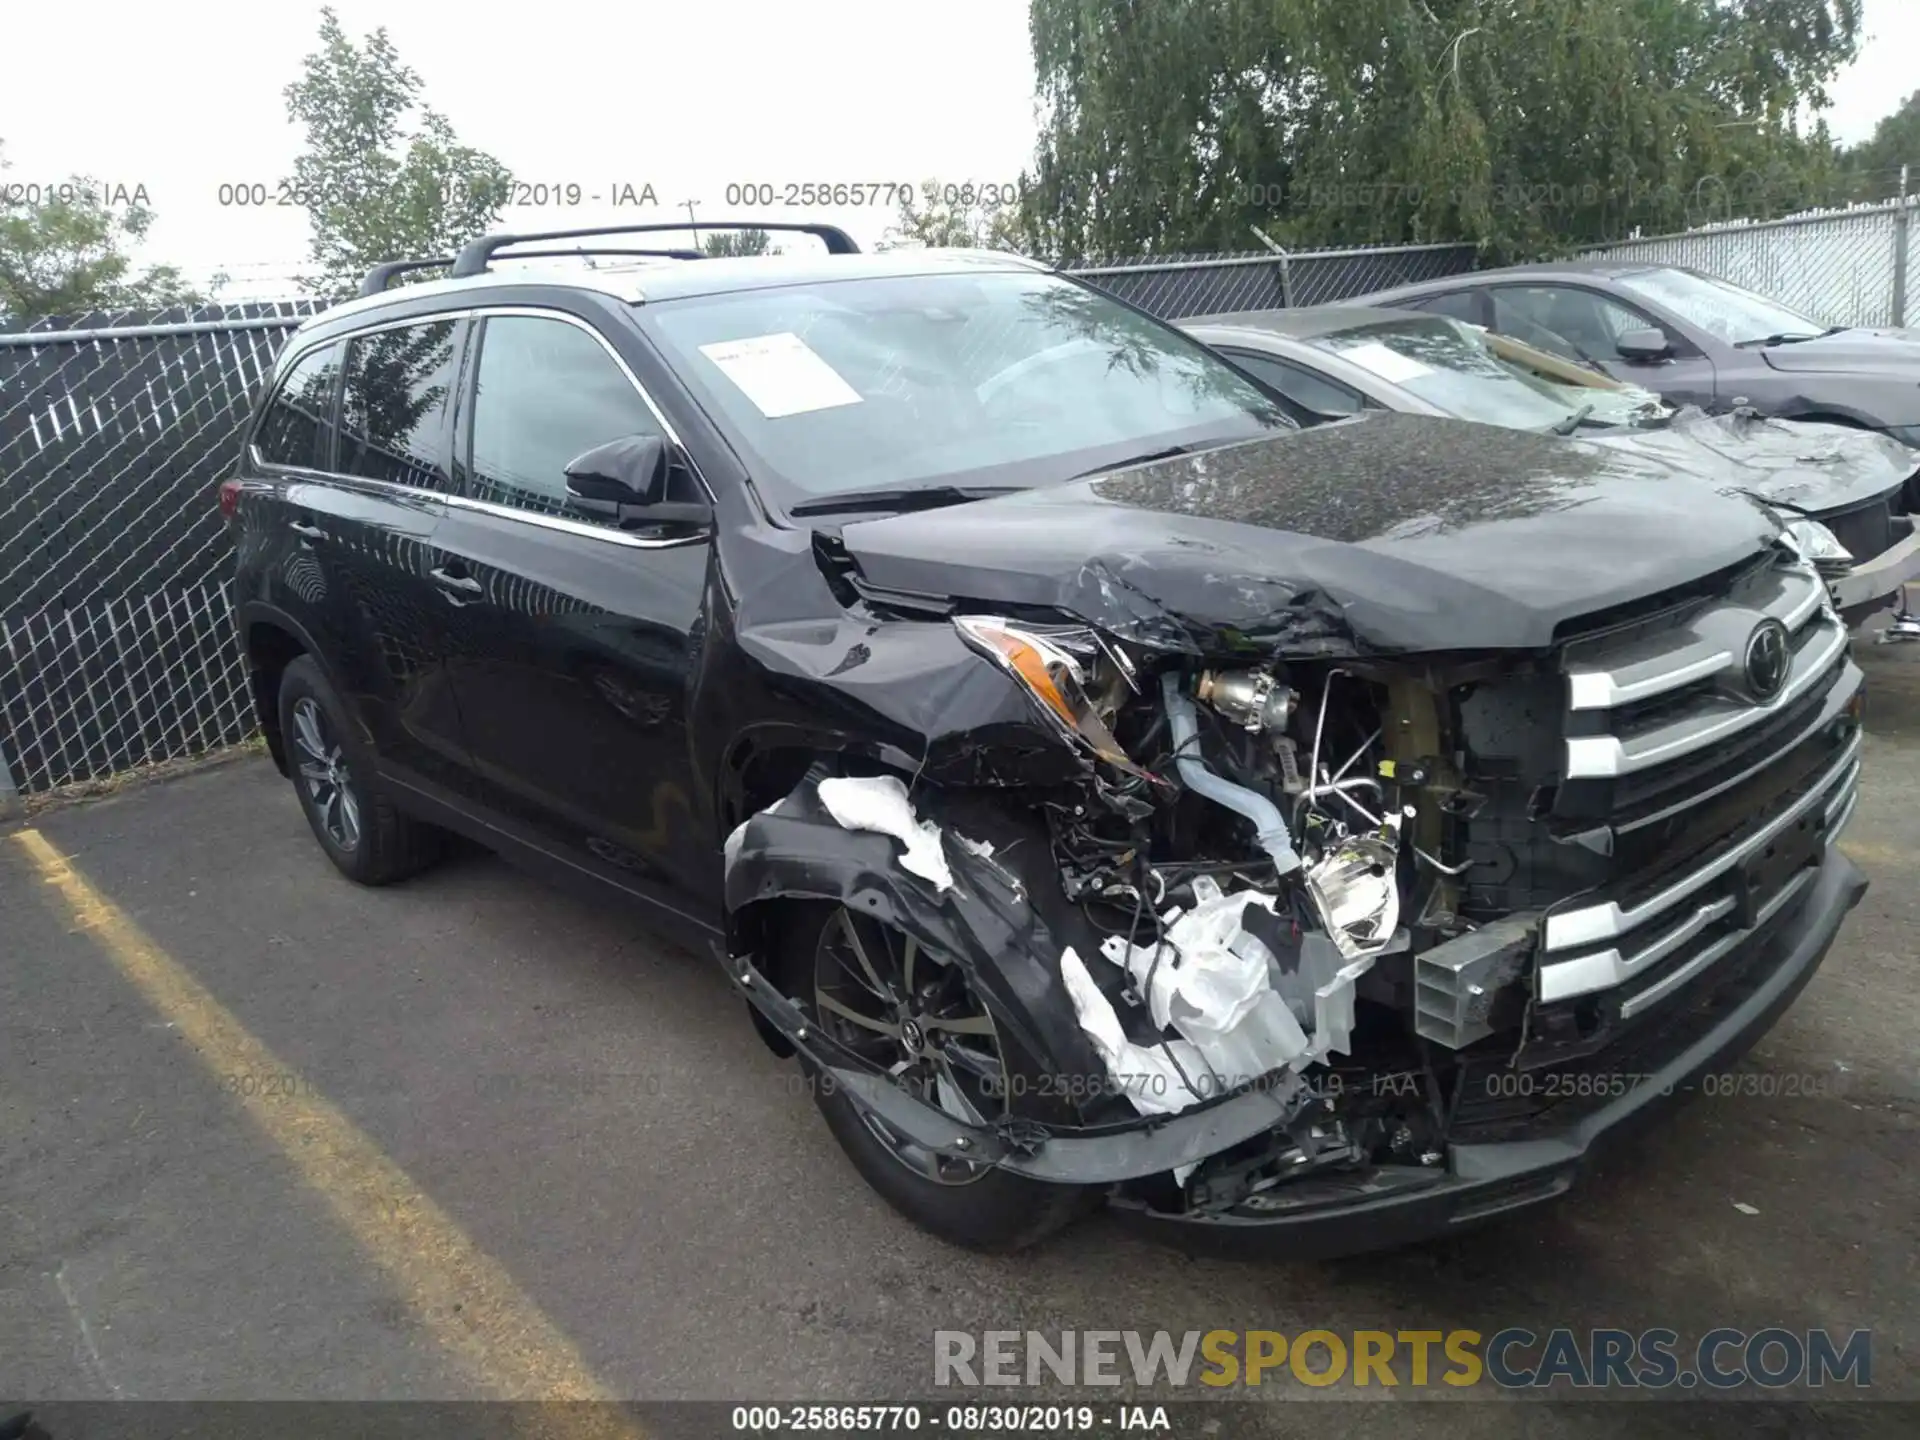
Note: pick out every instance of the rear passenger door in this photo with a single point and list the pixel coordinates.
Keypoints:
(374, 429)
(574, 637)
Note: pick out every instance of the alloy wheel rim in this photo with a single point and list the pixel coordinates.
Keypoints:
(322, 765)
(909, 1012)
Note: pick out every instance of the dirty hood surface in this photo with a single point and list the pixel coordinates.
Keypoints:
(1813, 467)
(1385, 533)
(1854, 349)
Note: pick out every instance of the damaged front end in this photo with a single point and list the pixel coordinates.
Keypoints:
(1207, 939)
(1344, 856)
(1311, 939)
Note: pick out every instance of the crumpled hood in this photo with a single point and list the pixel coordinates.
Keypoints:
(1384, 533)
(1860, 349)
(1818, 468)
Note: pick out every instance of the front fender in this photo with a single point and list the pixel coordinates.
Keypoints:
(1003, 919)
(1006, 922)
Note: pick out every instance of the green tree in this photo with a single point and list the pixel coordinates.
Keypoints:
(963, 216)
(1873, 166)
(62, 255)
(374, 186)
(737, 242)
(1521, 126)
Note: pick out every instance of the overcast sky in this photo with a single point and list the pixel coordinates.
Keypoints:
(184, 98)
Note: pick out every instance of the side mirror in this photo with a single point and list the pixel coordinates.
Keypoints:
(626, 480)
(628, 471)
(1642, 345)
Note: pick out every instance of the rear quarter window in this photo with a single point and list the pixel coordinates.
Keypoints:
(1457, 304)
(296, 428)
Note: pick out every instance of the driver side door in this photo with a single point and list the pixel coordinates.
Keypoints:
(1589, 325)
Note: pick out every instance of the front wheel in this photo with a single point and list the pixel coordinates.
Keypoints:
(910, 1012)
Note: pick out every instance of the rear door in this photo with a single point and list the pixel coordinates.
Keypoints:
(574, 638)
(368, 526)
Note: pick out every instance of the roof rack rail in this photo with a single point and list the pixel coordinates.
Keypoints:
(591, 250)
(379, 276)
(473, 259)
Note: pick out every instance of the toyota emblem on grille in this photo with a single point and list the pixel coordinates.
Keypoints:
(1768, 659)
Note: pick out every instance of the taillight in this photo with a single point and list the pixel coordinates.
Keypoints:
(229, 498)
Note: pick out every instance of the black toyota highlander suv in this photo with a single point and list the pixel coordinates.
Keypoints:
(1108, 789)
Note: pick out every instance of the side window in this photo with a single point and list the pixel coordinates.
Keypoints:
(1304, 387)
(1574, 324)
(393, 407)
(546, 392)
(297, 426)
(1460, 304)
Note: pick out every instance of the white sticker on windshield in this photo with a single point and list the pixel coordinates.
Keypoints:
(1386, 362)
(780, 375)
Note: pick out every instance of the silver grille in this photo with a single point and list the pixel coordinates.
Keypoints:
(1678, 692)
(1707, 655)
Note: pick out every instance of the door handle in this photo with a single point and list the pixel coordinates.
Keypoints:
(306, 532)
(447, 580)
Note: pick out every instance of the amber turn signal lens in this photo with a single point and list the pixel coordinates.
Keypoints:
(1032, 666)
(1051, 676)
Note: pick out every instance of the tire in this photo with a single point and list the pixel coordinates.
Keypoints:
(982, 1208)
(365, 835)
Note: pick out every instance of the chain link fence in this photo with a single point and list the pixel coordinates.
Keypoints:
(1180, 287)
(1844, 267)
(115, 640)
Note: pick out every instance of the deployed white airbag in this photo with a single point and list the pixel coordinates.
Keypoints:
(1213, 984)
(1147, 1074)
(879, 803)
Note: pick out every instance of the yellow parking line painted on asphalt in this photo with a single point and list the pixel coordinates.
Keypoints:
(462, 1296)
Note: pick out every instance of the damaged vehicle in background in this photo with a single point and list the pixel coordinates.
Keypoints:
(1841, 490)
(1695, 338)
(1106, 788)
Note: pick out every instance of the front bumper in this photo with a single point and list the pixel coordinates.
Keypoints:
(1383, 1207)
(1398, 1206)
(1061, 1155)
(1873, 581)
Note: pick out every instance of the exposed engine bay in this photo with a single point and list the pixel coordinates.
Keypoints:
(1255, 852)
(1252, 850)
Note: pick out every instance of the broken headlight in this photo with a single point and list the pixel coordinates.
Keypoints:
(1817, 543)
(1056, 666)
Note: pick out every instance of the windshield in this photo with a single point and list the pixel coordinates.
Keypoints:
(1445, 364)
(988, 379)
(1737, 316)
